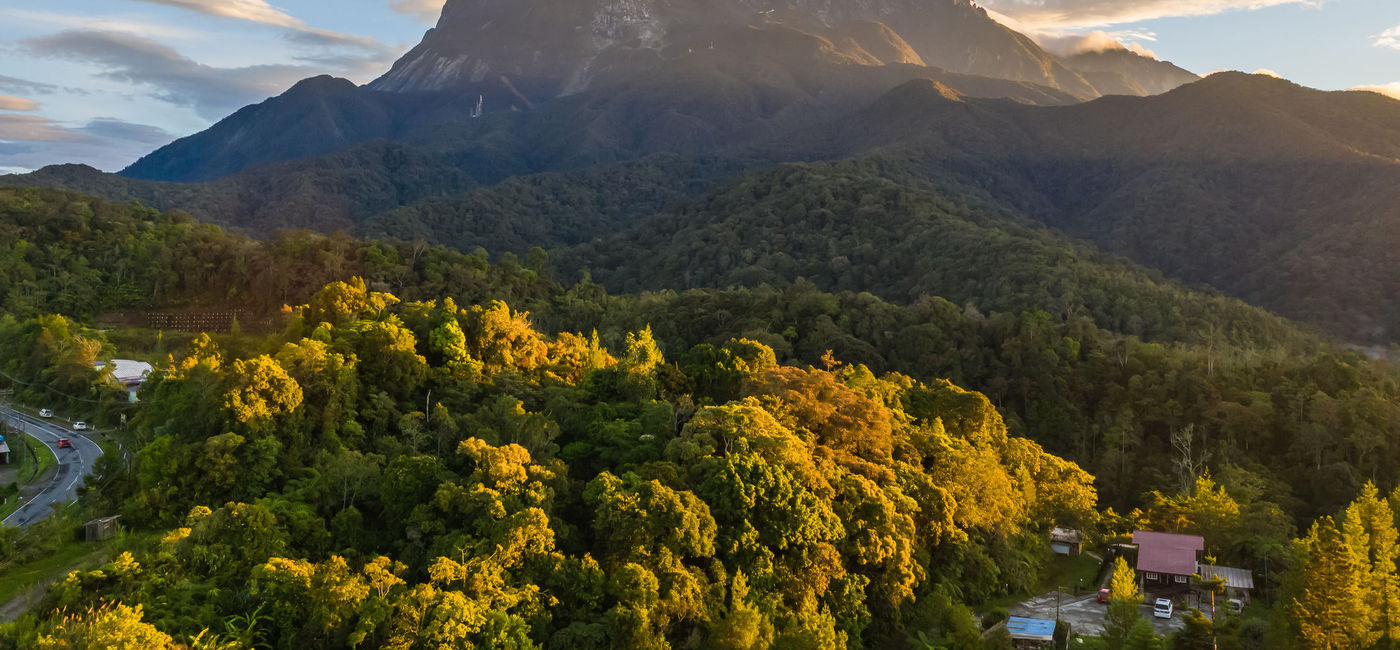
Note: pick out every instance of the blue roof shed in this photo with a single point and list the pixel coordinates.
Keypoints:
(1031, 629)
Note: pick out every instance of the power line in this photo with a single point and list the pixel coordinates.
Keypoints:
(51, 389)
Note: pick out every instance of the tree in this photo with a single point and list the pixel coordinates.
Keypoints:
(1368, 530)
(1123, 629)
(261, 390)
(1330, 610)
(743, 626)
(1206, 510)
(341, 302)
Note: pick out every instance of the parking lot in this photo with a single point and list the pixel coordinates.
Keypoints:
(1085, 614)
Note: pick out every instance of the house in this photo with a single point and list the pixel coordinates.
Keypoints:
(130, 374)
(1066, 541)
(1031, 632)
(1238, 582)
(1167, 559)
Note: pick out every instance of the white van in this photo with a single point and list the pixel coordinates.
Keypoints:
(45, 413)
(1163, 608)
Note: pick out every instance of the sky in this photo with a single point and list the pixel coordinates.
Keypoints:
(103, 82)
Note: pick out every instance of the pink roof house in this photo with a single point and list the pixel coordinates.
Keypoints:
(1167, 558)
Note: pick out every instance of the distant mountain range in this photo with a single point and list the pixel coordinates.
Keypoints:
(601, 123)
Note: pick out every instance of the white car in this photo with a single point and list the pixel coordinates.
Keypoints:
(45, 413)
(79, 426)
(1163, 608)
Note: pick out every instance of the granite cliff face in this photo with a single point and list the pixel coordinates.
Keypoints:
(547, 48)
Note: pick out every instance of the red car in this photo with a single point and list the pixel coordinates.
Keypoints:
(1104, 595)
(64, 443)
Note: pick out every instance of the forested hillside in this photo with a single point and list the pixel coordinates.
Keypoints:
(557, 493)
(783, 467)
(1275, 194)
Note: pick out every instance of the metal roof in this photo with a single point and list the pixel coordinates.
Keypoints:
(1066, 535)
(1167, 552)
(126, 370)
(1031, 629)
(1234, 578)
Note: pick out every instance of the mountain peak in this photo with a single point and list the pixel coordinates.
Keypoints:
(323, 84)
(548, 48)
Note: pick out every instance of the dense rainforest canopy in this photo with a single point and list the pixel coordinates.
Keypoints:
(416, 447)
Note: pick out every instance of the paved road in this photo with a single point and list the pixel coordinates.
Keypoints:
(73, 464)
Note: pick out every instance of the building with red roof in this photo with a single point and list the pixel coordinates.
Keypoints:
(1167, 559)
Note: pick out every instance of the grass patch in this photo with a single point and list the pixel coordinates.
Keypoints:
(25, 472)
(1072, 573)
(72, 555)
(1061, 572)
(47, 460)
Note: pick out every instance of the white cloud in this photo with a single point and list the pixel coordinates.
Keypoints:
(212, 92)
(1268, 73)
(8, 103)
(424, 10)
(101, 23)
(1391, 90)
(1389, 38)
(33, 128)
(256, 11)
(1069, 43)
(349, 52)
(29, 142)
(1095, 41)
(1082, 14)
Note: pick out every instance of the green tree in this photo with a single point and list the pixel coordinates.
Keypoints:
(1330, 608)
(1369, 534)
(1123, 628)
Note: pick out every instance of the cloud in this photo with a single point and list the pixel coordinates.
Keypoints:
(1067, 43)
(1389, 38)
(1081, 14)
(344, 53)
(29, 142)
(112, 128)
(13, 85)
(212, 92)
(1095, 41)
(424, 10)
(1268, 73)
(256, 11)
(87, 21)
(259, 11)
(33, 128)
(1391, 90)
(8, 103)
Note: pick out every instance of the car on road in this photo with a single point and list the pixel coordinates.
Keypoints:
(64, 443)
(1163, 608)
(79, 426)
(45, 413)
(1105, 595)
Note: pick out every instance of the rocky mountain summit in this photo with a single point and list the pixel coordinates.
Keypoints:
(547, 48)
